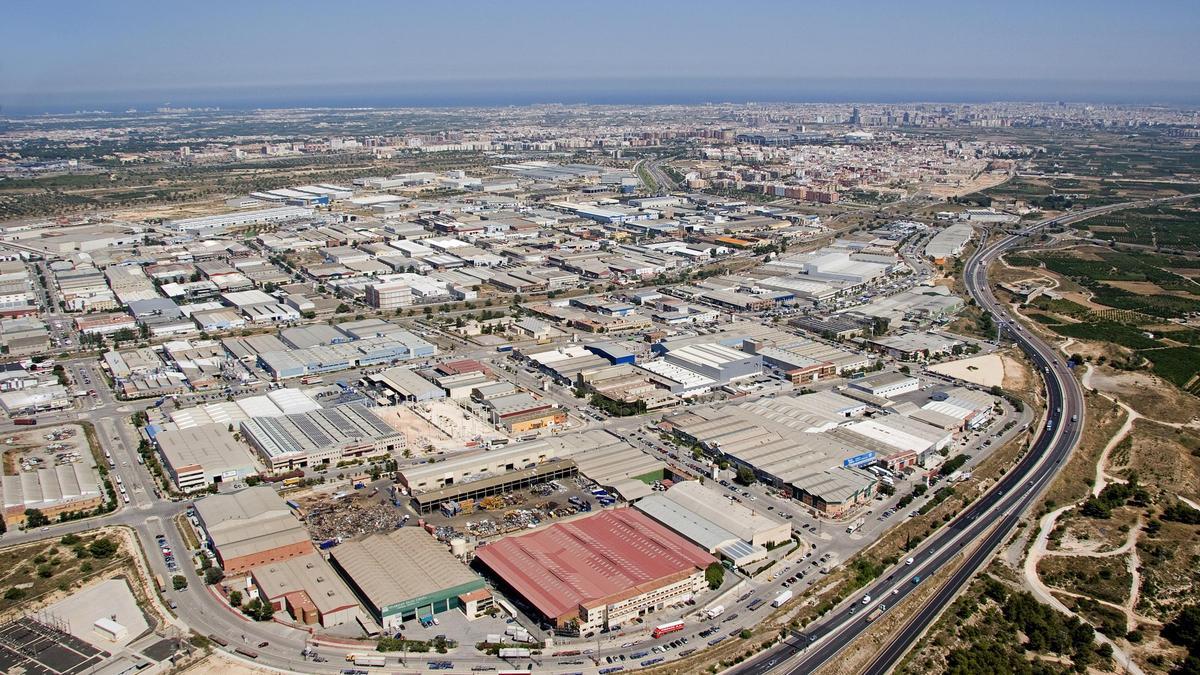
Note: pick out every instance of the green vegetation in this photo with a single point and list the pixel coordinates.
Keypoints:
(1011, 627)
(618, 408)
(953, 464)
(1172, 226)
(1181, 513)
(179, 582)
(35, 518)
(1115, 495)
(714, 574)
(1116, 333)
(258, 610)
(1177, 365)
(1184, 630)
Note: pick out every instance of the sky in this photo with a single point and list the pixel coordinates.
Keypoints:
(66, 52)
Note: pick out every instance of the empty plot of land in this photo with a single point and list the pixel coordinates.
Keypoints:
(111, 599)
(986, 370)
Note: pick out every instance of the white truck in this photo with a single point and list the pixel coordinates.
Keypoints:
(781, 598)
(371, 660)
(715, 611)
(853, 527)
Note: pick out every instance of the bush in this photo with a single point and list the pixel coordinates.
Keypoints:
(179, 582)
(69, 539)
(102, 548)
(14, 593)
(35, 518)
(212, 575)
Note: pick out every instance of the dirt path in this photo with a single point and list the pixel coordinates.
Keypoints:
(1102, 476)
(1043, 594)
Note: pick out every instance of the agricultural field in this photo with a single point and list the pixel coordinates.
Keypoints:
(1147, 297)
(1168, 227)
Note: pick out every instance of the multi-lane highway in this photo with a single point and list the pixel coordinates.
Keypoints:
(972, 537)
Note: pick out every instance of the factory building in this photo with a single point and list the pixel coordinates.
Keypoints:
(597, 572)
(201, 456)
(55, 491)
(887, 385)
(395, 346)
(321, 437)
(715, 523)
(251, 527)
(715, 361)
(308, 589)
(227, 220)
(406, 574)
(406, 385)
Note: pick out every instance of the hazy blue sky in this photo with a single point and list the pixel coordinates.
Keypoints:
(56, 50)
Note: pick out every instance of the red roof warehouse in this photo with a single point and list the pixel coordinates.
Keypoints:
(600, 570)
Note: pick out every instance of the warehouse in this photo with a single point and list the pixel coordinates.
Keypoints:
(404, 575)
(224, 220)
(835, 492)
(251, 527)
(396, 346)
(949, 243)
(972, 408)
(321, 437)
(717, 362)
(490, 485)
(887, 385)
(55, 491)
(715, 523)
(199, 457)
(407, 385)
(790, 442)
(308, 589)
(610, 461)
(597, 572)
(520, 412)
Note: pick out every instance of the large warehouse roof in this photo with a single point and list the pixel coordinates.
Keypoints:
(315, 430)
(739, 519)
(210, 446)
(401, 565)
(596, 560)
(246, 522)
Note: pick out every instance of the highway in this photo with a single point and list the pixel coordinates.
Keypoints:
(981, 527)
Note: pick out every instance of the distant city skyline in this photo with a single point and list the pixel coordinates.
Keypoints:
(66, 55)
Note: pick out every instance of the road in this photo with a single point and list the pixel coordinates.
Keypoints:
(983, 525)
(987, 522)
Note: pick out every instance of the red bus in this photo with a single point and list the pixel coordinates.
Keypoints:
(667, 628)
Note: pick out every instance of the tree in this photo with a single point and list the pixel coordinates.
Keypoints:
(745, 475)
(342, 308)
(714, 574)
(102, 548)
(35, 518)
(14, 593)
(258, 610)
(69, 539)
(235, 598)
(179, 582)
(213, 574)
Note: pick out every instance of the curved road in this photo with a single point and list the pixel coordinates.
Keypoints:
(981, 527)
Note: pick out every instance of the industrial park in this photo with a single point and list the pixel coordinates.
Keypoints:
(732, 387)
